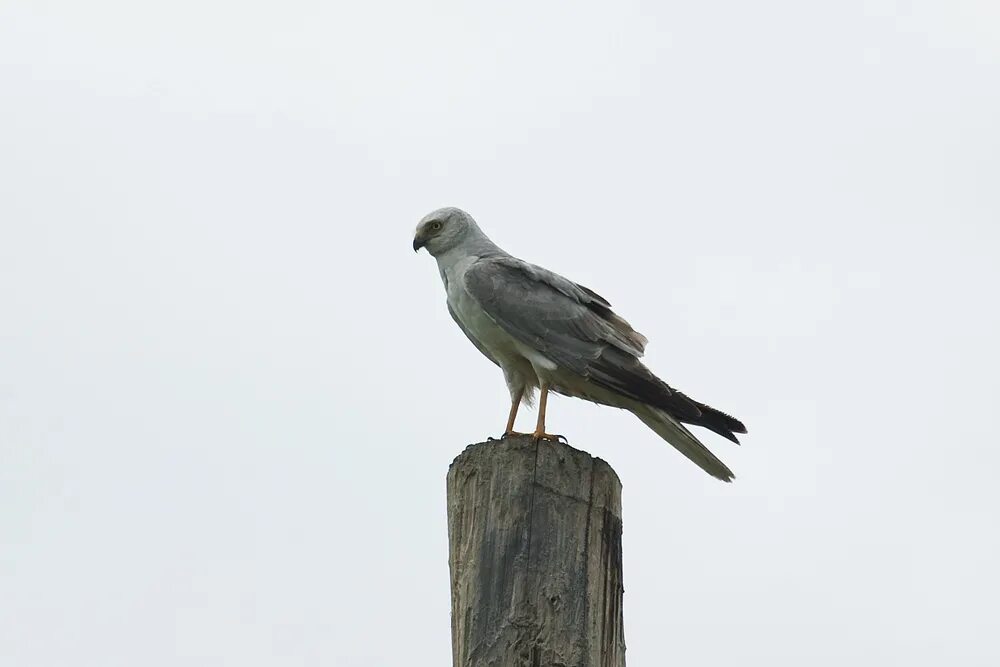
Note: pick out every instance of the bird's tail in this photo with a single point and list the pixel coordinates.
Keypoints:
(683, 440)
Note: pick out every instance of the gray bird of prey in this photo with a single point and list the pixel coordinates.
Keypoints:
(548, 333)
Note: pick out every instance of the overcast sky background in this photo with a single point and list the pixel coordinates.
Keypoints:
(229, 390)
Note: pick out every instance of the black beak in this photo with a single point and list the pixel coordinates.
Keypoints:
(418, 243)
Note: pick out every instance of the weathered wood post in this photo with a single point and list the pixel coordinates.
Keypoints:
(534, 533)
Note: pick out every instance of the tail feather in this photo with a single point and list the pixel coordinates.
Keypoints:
(683, 440)
(717, 421)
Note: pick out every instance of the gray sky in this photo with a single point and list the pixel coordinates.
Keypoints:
(229, 391)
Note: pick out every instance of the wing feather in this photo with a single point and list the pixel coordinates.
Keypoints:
(572, 326)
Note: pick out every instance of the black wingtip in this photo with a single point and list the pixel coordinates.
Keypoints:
(718, 422)
(729, 436)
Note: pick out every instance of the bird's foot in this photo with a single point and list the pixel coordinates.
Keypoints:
(540, 435)
(511, 434)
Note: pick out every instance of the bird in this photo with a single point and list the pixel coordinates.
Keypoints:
(549, 333)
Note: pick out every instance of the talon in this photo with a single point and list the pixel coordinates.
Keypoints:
(510, 434)
(550, 437)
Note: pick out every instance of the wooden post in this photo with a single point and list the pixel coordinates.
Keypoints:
(534, 533)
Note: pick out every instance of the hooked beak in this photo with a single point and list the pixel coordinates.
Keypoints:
(418, 243)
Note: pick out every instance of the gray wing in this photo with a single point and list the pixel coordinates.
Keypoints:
(573, 326)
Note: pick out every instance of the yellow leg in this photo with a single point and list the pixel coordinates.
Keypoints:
(515, 402)
(543, 400)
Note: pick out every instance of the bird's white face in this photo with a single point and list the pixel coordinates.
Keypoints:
(440, 230)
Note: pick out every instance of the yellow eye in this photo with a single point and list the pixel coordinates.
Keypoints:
(436, 226)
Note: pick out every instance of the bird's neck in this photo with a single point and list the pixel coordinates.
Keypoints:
(477, 247)
(457, 259)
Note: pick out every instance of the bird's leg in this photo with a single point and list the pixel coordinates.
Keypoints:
(543, 399)
(515, 402)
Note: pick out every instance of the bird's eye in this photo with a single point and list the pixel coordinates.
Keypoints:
(436, 226)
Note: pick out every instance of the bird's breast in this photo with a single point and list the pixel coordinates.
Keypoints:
(479, 324)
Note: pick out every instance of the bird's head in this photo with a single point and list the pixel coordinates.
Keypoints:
(444, 229)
